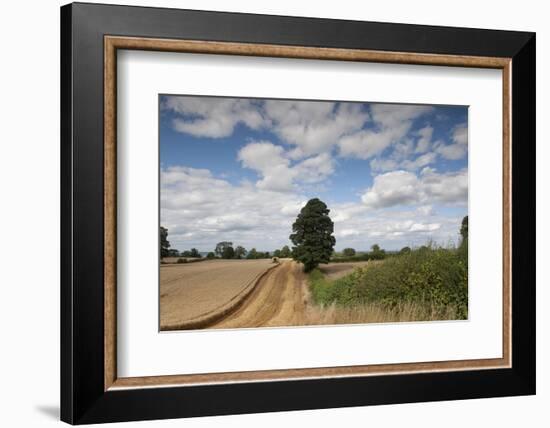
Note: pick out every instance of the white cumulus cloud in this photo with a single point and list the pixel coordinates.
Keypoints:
(213, 117)
(392, 123)
(399, 188)
(278, 172)
(460, 134)
(314, 127)
(459, 146)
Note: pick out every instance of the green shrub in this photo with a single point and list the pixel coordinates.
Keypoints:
(180, 260)
(375, 254)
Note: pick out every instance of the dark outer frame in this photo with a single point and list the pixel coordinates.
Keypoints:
(83, 397)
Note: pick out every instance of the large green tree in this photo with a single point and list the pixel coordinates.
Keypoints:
(221, 247)
(240, 252)
(285, 252)
(252, 254)
(228, 253)
(172, 252)
(313, 235)
(195, 253)
(377, 253)
(348, 252)
(164, 243)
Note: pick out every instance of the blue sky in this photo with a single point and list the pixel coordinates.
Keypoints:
(240, 169)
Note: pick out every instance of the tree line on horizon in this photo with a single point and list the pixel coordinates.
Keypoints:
(224, 250)
(313, 239)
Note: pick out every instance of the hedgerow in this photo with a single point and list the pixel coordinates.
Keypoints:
(433, 276)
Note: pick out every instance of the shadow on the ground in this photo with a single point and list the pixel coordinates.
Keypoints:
(49, 410)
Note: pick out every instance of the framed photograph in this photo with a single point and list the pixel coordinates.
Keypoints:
(266, 213)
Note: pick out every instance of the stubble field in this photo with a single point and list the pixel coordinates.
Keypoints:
(191, 293)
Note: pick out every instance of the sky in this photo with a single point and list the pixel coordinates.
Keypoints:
(240, 170)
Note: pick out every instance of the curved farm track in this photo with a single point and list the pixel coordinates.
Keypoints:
(277, 300)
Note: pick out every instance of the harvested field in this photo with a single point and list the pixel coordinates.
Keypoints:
(192, 291)
(223, 294)
(337, 270)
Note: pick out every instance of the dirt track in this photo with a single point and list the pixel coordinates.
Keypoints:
(277, 300)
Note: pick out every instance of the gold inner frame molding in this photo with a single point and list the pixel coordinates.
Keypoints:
(113, 43)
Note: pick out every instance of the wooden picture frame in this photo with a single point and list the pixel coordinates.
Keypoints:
(91, 390)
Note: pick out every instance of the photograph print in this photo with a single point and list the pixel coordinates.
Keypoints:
(280, 213)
